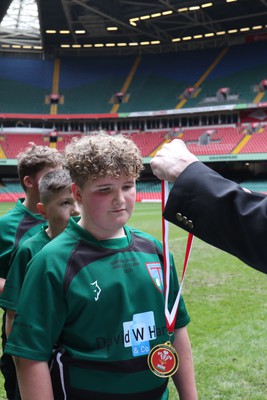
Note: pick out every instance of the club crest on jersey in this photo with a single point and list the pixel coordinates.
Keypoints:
(96, 290)
(155, 272)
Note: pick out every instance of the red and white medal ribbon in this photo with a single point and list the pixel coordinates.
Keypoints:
(171, 315)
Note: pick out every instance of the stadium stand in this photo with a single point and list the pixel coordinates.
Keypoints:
(147, 83)
(157, 83)
(160, 79)
(223, 140)
(64, 139)
(220, 140)
(148, 191)
(14, 143)
(148, 141)
(24, 83)
(10, 190)
(88, 85)
(240, 71)
(257, 143)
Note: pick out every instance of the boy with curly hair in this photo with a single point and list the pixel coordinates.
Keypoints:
(93, 293)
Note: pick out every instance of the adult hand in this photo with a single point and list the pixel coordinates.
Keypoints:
(171, 160)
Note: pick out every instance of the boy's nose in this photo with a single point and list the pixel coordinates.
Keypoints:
(118, 197)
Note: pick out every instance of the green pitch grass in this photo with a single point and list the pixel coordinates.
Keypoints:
(227, 303)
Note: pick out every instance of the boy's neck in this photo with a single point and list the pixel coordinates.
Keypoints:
(101, 236)
(51, 233)
(31, 204)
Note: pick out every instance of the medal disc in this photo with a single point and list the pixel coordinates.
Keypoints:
(163, 360)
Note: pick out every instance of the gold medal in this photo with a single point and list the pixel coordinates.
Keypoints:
(163, 360)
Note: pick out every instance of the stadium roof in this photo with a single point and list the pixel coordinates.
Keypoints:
(126, 26)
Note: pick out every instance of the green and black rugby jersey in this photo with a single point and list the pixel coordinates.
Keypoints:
(16, 225)
(18, 267)
(102, 302)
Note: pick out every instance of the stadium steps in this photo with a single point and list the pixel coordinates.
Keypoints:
(159, 147)
(127, 82)
(259, 97)
(55, 86)
(241, 144)
(2, 153)
(257, 143)
(204, 76)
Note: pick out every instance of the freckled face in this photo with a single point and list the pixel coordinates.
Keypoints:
(106, 205)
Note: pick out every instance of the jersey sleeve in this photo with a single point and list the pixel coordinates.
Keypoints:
(7, 238)
(40, 313)
(15, 278)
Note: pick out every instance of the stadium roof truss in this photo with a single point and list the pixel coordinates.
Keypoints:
(125, 26)
(20, 25)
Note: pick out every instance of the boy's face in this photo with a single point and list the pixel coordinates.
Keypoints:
(106, 205)
(60, 208)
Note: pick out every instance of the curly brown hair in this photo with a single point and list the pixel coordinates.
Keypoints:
(99, 154)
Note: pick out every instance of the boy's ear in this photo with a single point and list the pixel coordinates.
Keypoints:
(76, 191)
(27, 180)
(41, 209)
